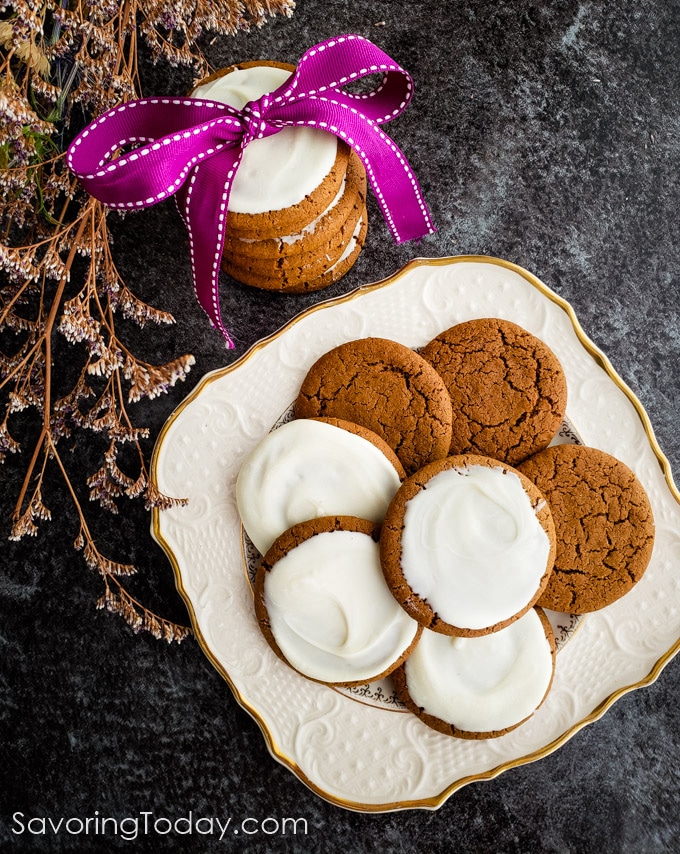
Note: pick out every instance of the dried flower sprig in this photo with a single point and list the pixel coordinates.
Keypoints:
(60, 278)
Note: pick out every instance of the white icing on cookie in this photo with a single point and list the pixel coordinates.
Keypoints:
(306, 469)
(482, 684)
(473, 547)
(331, 612)
(279, 171)
(291, 239)
(351, 245)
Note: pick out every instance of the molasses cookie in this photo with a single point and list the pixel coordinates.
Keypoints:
(467, 545)
(603, 522)
(344, 263)
(307, 271)
(386, 387)
(310, 468)
(479, 687)
(323, 605)
(349, 202)
(507, 387)
(286, 180)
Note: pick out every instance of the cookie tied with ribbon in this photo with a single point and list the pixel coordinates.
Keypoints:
(192, 148)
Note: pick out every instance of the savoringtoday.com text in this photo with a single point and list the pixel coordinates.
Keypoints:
(146, 823)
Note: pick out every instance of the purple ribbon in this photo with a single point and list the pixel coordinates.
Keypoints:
(192, 147)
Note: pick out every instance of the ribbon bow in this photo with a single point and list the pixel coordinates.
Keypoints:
(192, 147)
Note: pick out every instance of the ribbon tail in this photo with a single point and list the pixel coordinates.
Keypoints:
(203, 202)
(396, 188)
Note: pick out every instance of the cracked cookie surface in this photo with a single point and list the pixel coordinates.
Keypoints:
(603, 522)
(507, 387)
(386, 387)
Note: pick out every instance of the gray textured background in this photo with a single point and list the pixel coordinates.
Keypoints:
(543, 133)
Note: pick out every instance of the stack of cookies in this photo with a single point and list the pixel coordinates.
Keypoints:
(297, 210)
(431, 480)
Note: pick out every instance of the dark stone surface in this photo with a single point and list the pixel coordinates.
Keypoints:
(543, 133)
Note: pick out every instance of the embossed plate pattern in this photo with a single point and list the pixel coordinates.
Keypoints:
(353, 754)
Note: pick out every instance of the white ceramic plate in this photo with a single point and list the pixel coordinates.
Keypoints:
(368, 756)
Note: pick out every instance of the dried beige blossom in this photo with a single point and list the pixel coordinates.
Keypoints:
(25, 49)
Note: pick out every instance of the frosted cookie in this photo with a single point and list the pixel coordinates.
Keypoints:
(285, 180)
(507, 387)
(323, 606)
(386, 387)
(311, 468)
(344, 263)
(467, 545)
(327, 251)
(479, 687)
(320, 232)
(309, 271)
(604, 526)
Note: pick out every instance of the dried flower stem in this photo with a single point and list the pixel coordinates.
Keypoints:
(46, 341)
